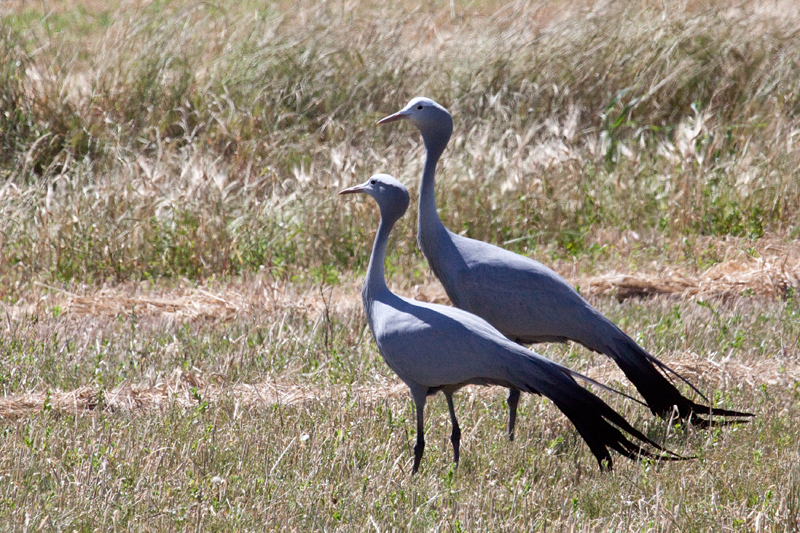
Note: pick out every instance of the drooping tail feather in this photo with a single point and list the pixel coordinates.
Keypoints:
(661, 395)
(597, 423)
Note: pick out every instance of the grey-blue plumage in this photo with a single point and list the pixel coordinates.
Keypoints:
(521, 297)
(435, 348)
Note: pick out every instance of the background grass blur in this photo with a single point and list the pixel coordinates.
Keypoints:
(178, 143)
(191, 139)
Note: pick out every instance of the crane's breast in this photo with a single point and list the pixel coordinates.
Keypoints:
(434, 345)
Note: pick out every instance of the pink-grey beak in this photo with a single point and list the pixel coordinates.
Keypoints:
(353, 190)
(392, 118)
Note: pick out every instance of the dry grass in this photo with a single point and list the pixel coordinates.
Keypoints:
(773, 273)
(323, 437)
(188, 389)
(184, 389)
(206, 141)
(773, 277)
(183, 344)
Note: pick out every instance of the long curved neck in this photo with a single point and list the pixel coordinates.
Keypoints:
(375, 281)
(428, 221)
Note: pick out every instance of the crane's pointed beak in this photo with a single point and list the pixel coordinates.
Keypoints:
(353, 190)
(393, 118)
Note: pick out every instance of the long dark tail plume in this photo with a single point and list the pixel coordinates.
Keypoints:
(593, 419)
(661, 395)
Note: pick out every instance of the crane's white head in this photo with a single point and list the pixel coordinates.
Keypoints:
(431, 119)
(390, 194)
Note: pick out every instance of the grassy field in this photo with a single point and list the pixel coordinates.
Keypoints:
(183, 343)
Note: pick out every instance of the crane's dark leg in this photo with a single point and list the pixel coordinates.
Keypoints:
(455, 436)
(419, 400)
(512, 400)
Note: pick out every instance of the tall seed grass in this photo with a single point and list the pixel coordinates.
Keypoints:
(192, 139)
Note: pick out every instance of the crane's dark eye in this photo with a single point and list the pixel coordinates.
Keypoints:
(373, 182)
(419, 106)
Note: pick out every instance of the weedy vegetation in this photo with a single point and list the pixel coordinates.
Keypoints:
(183, 345)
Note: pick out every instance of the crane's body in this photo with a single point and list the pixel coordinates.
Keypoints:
(433, 348)
(522, 298)
(497, 285)
(403, 327)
